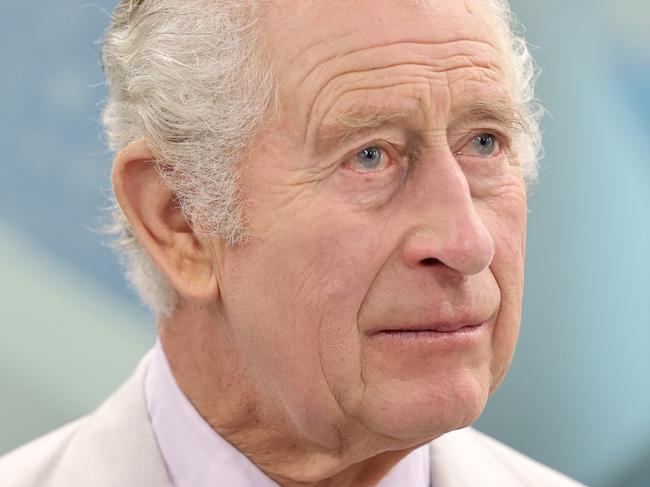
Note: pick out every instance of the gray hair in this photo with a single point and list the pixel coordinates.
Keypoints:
(191, 78)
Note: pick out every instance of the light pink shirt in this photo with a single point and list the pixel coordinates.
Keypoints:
(197, 456)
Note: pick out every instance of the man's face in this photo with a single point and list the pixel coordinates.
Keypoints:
(387, 206)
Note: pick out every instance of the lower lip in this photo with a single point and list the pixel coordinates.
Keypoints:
(465, 336)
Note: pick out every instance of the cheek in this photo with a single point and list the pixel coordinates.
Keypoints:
(506, 223)
(336, 262)
(330, 259)
(502, 209)
(295, 297)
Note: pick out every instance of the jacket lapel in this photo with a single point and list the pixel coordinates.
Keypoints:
(116, 446)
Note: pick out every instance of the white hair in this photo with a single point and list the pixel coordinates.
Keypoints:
(191, 78)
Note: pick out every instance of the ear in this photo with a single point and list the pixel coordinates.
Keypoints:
(156, 219)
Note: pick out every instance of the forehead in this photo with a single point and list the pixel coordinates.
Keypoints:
(301, 32)
(316, 18)
(320, 49)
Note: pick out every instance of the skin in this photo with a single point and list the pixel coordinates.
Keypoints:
(273, 340)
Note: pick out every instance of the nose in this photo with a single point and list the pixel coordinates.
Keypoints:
(449, 231)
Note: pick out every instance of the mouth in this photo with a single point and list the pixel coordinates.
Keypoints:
(465, 334)
(429, 328)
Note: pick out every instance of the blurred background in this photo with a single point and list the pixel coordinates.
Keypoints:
(578, 394)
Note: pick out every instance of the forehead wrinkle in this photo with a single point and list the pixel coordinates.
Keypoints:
(357, 117)
(323, 63)
(448, 65)
(465, 62)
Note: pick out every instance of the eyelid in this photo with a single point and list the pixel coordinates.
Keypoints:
(502, 134)
(503, 140)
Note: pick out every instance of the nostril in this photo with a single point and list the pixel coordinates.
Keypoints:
(430, 261)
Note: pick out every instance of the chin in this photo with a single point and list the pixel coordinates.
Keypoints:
(417, 412)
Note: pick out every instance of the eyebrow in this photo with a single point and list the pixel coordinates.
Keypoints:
(356, 121)
(361, 119)
(503, 111)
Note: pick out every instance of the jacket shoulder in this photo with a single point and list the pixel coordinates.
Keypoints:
(115, 446)
(468, 457)
(33, 463)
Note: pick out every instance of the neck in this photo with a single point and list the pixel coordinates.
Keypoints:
(210, 373)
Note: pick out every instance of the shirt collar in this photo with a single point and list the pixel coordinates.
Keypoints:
(197, 456)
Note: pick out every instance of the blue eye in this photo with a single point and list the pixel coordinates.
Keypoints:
(483, 145)
(369, 158)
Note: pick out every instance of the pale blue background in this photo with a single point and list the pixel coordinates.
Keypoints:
(578, 394)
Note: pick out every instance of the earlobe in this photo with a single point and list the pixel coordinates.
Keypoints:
(160, 226)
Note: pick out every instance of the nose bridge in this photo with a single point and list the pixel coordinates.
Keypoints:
(449, 230)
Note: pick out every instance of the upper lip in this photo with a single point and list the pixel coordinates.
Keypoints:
(446, 326)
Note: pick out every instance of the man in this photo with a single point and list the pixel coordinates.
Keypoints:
(325, 204)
